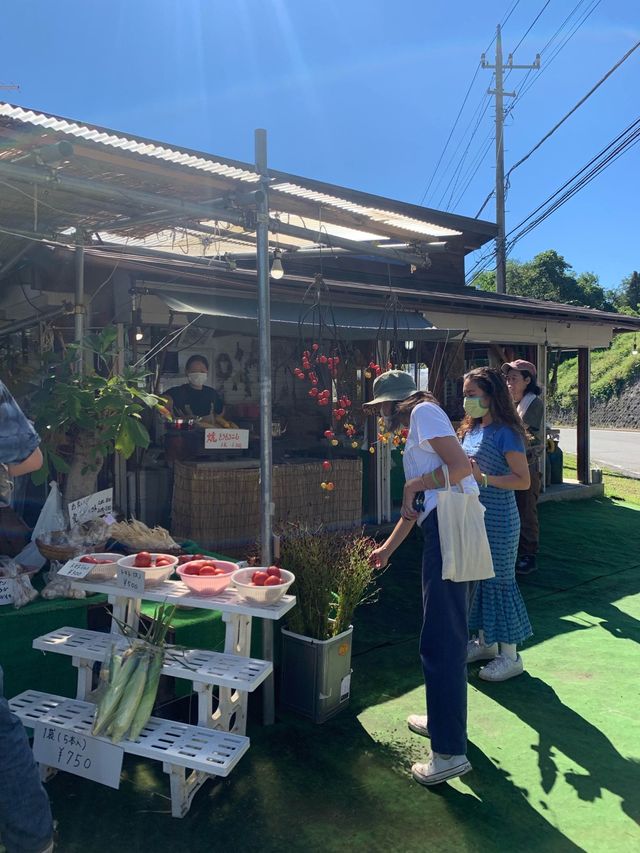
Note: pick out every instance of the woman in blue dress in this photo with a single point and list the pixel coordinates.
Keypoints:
(493, 438)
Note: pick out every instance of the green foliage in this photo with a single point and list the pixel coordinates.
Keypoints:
(333, 577)
(548, 276)
(611, 370)
(98, 410)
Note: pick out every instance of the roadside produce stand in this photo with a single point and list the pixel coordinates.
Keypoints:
(212, 747)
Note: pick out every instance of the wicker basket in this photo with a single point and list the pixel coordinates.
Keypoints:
(219, 507)
(62, 553)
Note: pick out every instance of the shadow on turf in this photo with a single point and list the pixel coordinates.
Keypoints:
(560, 728)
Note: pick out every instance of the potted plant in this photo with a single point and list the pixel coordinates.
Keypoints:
(84, 417)
(334, 576)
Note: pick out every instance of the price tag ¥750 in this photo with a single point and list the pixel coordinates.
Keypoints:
(76, 569)
(131, 580)
(92, 758)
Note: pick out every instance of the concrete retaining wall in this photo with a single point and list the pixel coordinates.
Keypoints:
(622, 412)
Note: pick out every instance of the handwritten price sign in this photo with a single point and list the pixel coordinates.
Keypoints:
(226, 439)
(93, 506)
(131, 580)
(89, 757)
(76, 569)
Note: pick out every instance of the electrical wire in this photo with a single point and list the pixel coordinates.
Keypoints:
(451, 132)
(573, 109)
(627, 139)
(531, 26)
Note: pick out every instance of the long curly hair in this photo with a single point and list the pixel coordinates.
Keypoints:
(501, 406)
(402, 410)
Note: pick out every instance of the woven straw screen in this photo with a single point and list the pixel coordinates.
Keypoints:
(220, 507)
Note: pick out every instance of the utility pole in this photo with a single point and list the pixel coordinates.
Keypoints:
(501, 259)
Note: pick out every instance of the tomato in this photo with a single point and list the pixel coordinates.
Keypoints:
(259, 578)
(164, 561)
(198, 564)
(272, 580)
(88, 559)
(209, 564)
(143, 560)
(208, 571)
(185, 558)
(274, 571)
(191, 570)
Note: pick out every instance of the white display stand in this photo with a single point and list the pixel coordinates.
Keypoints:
(216, 744)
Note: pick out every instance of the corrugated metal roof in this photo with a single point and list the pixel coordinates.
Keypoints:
(129, 163)
(124, 143)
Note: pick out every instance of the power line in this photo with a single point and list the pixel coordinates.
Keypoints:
(573, 109)
(457, 119)
(446, 145)
(531, 26)
(625, 140)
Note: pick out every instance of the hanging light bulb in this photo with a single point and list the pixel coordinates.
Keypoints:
(408, 344)
(277, 271)
(634, 351)
(139, 333)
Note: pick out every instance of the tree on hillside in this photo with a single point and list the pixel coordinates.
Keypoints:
(627, 296)
(549, 276)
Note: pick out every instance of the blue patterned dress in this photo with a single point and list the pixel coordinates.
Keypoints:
(498, 608)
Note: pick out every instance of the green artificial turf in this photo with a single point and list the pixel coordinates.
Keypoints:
(555, 752)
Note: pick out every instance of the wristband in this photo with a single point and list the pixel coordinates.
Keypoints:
(435, 479)
(485, 481)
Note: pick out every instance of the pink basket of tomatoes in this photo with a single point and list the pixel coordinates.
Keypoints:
(262, 585)
(157, 568)
(206, 576)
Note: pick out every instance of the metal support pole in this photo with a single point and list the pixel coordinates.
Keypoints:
(542, 380)
(266, 455)
(500, 94)
(584, 415)
(501, 260)
(79, 309)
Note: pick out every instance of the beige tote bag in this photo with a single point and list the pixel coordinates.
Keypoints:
(466, 555)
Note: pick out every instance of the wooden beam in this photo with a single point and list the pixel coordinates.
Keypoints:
(584, 411)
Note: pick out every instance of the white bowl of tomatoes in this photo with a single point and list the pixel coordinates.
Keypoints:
(157, 568)
(262, 584)
(207, 576)
(106, 565)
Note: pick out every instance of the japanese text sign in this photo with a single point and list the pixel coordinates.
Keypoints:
(94, 506)
(83, 755)
(226, 439)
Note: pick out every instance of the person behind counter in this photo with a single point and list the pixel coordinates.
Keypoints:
(194, 398)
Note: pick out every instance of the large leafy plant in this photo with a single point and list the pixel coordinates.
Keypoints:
(84, 417)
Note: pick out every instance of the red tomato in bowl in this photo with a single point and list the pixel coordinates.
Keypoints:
(190, 570)
(143, 560)
(272, 580)
(208, 571)
(259, 578)
(274, 571)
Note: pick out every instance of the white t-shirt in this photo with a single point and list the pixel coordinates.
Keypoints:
(428, 421)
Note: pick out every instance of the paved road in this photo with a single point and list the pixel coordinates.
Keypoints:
(609, 447)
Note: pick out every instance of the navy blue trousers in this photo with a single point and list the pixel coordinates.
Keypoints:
(443, 647)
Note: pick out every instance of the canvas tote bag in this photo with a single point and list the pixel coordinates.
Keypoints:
(466, 555)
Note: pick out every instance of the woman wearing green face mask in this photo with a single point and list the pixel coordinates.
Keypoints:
(493, 437)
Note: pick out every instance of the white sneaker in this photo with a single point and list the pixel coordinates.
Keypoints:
(502, 668)
(439, 769)
(418, 724)
(478, 651)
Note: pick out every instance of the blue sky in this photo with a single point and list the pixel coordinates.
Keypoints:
(357, 92)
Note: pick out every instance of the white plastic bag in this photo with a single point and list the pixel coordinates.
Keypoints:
(51, 518)
(466, 555)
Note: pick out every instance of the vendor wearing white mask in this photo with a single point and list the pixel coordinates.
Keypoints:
(194, 398)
